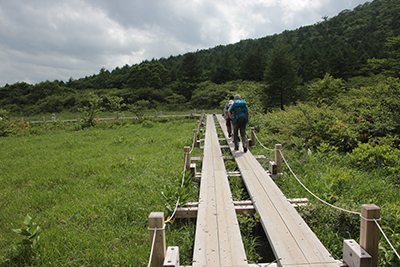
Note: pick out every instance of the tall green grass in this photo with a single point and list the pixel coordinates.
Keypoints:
(91, 190)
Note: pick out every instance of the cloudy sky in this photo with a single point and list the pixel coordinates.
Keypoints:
(58, 39)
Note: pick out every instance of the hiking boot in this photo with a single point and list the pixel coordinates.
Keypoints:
(245, 149)
(236, 148)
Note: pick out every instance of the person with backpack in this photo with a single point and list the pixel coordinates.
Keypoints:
(226, 115)
(239, 113)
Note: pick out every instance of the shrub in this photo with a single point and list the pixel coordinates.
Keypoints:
(369, 157)
(326, 90)
(5, 123)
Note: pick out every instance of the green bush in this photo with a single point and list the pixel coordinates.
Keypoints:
(326, 90)
(4, 123)
(369, 157)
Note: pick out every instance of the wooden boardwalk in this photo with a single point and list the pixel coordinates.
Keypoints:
(293, 242)
(218, 240)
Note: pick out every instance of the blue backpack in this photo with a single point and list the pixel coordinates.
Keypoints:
(240, 111)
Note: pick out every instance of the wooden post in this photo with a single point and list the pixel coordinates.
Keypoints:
(156, 221)
(155, 116)
(22, 119)
(44, 120)
(369, 234)
(253, 136)
(53, 117)
(186, 152)
(123, 115)
(200, 122)
(278, 158)
(79, 119)
(195, 112)
(160, 113)
(195, 138)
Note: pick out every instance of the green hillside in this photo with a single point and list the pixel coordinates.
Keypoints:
(340, 46)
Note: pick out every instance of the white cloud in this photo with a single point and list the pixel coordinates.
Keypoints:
(46, 39)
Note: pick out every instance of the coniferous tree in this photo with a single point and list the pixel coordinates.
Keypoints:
(281, 75)
(191, 75)
(253, 66)
(224, 71)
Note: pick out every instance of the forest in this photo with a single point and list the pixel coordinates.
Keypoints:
(352, 44)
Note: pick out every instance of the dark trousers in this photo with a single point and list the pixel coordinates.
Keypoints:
(242, 128)
(229, 126)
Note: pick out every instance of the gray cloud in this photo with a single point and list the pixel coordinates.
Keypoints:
(45, 39)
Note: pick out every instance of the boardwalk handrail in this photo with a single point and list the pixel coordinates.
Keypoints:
(107, 119)
(376, 221)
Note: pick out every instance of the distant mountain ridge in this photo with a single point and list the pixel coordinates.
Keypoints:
(339, 45)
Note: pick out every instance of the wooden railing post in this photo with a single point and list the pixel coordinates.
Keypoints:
(200, 121)
(186, 152)
(278, 157)
(369, 234)
(156, 227)
(78, 119)
(195, 138)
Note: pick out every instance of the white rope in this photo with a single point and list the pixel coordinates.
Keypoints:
(262, 144)
(183, 181)
(333, 206)
(152, 245)
(390, 244)
(323, 201)
(370, 220)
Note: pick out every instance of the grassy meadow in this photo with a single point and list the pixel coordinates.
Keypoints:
(91, 191)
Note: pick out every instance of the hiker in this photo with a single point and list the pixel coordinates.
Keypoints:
(226, 115)
(239, 113)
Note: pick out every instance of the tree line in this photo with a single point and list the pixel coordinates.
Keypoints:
(281, 66)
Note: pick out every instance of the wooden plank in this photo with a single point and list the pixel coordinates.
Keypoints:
(172, 257)
(190, 211)
(218, 241)
(291, 239)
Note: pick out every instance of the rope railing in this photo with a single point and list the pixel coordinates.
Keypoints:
(333, 206)
(387, 239)
(314, 195)
(169, 219)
